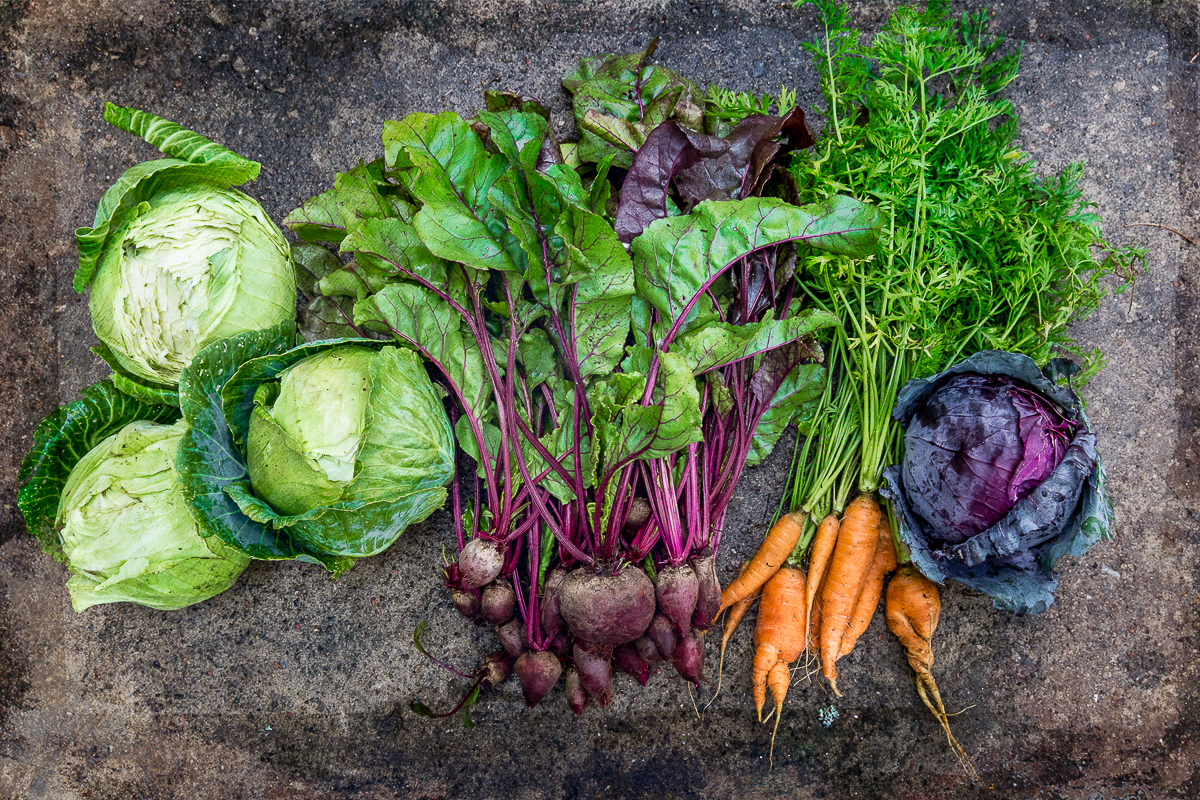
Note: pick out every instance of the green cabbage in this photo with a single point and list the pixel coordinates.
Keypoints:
(177, 260)
(200, 264)
(126, 531)
(324, 452)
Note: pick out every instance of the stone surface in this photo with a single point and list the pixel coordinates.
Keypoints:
(292, 685)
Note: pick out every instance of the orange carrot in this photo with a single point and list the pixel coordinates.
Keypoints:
(819, 552)
(736, 612)
(864, 608)
(848, 568)
(814, 627)
(770, 556)
(779, 631)
(913, 608)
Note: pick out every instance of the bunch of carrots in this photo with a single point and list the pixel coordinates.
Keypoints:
(823, 611)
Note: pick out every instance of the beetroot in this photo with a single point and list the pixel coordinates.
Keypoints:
(676, 589)
(466, 602)
(628, 661)
(607, 609)
(479, 563)
(708, 598)
(552, 621)
(538, 671)
(639, 514)
(560, 645)
(575, 696)
(497, 667)
(512, 637)
(646, 650)
(498, 603)
(689, 657)
(595, 673)
(662, 633)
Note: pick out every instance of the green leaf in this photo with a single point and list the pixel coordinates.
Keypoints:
(603, 300)
(796, 400)
(176, 141)
(622, 97)
(330, 215)
(452, 175)
(627, 429)
(62, 439)
(466, 441)
(677, 258)
(429, 323)
(313, 262)
(390, 247)
(537, 357)
(718, 343)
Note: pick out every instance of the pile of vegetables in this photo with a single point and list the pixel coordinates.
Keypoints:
(580, 346)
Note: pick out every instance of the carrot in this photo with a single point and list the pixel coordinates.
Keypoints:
(913, 608)
(779, 631)
(736, 612)
(864, 608)
(778, 640)
(775, 549)
(813, 638)
(819, 552)
(848, 568)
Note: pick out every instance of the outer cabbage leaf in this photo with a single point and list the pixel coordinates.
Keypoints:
(210, 463)
(402, 456)
(192, 158)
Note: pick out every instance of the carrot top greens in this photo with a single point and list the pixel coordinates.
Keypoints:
(979, 250)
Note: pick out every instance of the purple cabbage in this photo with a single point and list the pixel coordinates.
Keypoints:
(975, 448)
(1000, 477)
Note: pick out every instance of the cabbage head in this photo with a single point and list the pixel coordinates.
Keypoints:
(1000, 478)
(177, 259)
(126, 531)
(326, 451)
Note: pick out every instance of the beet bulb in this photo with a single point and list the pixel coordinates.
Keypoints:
(662, 633)
(646, 649)
(708, 598)
(676, 590)
(602, 608)
(552, 621)
(512, 637)
(595, 673)
(628, 661)
(498, 666)
(479, 563)
(467, 602)
(538, 671)
(688, 658)
(575, 694)
(498, 602)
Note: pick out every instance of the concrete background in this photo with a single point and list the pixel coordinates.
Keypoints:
(292, 685)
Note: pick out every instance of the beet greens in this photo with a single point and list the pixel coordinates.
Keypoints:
(605, 399)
